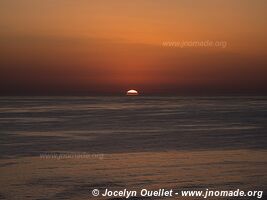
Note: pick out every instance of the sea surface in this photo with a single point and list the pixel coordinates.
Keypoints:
(64, 147)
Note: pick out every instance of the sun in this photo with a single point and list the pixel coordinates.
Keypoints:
(132, 93)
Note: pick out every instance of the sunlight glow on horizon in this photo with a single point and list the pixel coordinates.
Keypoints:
(107, 46)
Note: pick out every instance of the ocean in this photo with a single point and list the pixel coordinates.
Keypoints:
(65, 147)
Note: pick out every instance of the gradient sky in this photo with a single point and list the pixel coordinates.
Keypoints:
(92, 47)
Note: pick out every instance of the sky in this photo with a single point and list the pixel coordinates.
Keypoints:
(105, 47)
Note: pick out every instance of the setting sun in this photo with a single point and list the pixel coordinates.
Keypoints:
(132, 93)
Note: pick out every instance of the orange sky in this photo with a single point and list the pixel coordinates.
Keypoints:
(106, 47)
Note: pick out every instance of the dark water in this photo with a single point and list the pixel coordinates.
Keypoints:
(135, 124)
(115, 126)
